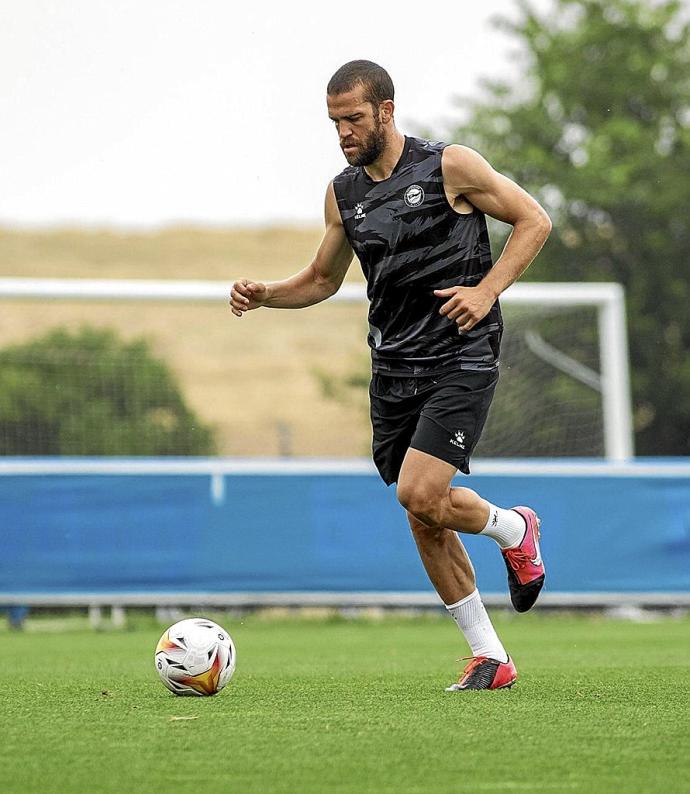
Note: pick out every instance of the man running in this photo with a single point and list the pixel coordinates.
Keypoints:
(414, 214)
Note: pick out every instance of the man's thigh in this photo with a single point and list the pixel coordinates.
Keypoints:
(424, 477)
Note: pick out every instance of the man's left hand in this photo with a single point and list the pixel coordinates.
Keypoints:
(466, 305)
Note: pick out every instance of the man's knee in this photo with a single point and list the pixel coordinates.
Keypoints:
(422, 503)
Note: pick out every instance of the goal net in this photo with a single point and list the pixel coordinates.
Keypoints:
(162, 368)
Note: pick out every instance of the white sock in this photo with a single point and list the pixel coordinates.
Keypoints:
(474, 622)
(506, 527)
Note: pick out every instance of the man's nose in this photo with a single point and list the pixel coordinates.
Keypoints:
(344, 130)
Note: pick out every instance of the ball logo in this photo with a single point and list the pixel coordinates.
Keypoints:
(414, 196)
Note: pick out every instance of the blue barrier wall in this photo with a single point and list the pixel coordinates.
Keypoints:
(336, 532)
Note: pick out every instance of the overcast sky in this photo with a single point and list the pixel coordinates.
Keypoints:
(150, 112)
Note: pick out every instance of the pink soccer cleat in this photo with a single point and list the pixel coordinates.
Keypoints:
(524, 563)
(485, 673)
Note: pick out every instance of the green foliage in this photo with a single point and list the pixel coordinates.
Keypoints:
(597, 127)
(88, 393)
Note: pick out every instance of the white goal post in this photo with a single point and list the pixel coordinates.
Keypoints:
(608, 298)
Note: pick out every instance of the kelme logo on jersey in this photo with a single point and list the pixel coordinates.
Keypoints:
(359, 211)
(414, 195)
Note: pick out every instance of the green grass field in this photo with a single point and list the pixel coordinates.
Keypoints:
(352, 706)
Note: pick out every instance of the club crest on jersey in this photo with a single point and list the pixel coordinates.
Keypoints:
(414, 195)
(359, 211)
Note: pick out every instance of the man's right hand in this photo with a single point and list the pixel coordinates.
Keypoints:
(246, 295)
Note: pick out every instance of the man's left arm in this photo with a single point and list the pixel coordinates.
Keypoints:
(467, 174)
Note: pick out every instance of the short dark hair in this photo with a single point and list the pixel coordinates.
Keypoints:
(375, 80)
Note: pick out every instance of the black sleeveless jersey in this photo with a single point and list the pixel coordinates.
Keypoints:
(410, 241)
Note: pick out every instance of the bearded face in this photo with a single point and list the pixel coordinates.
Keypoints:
(361, 132)
(369, 148)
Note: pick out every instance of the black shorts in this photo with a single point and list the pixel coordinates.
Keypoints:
(443, 416)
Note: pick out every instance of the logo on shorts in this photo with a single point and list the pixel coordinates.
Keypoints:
(359, 211)
(414, 195)
(459, 440)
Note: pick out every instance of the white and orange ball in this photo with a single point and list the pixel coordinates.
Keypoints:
(195, 657)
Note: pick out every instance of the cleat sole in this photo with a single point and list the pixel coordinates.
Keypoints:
(524, 597)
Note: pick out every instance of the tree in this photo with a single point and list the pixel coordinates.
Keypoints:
(597, 127)
(89, 393)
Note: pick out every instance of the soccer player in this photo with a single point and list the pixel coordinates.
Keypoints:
(414, 214)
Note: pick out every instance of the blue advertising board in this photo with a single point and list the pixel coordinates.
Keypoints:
(92, 530)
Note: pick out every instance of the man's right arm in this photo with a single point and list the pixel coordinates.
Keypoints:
(318, 281)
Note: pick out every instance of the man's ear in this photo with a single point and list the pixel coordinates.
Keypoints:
(386, 109)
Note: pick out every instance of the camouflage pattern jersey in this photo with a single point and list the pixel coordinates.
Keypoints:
(410, 241)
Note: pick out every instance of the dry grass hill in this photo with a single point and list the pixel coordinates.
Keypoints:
(255, 379)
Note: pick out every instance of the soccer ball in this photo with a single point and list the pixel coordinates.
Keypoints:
(195, 657)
